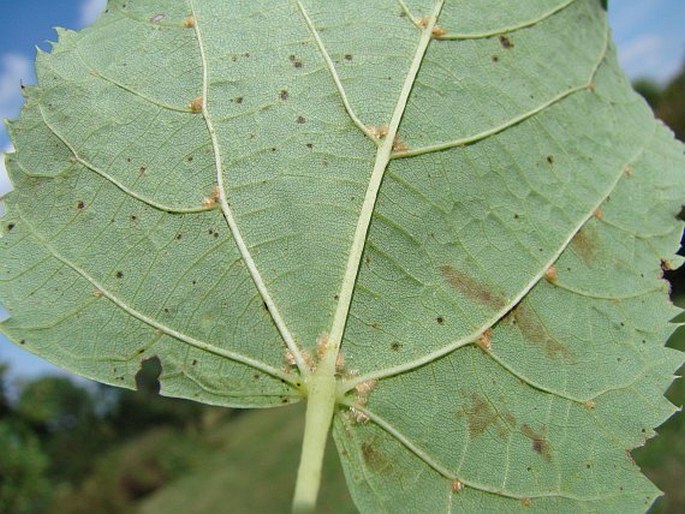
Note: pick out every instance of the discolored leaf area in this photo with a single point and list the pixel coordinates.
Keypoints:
(463, 205)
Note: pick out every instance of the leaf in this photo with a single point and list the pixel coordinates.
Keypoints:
(467, 202)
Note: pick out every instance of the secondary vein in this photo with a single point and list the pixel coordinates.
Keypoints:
(201, 345)
(228, 213)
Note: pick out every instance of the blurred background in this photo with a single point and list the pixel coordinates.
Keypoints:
(68, 445)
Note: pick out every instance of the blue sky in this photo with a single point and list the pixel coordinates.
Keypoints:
(649, 35)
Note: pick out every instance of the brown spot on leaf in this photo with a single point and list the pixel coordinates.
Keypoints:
(584, 244)
(481, 415)
(376, 460)
(196, 104)
(527, 502)
(551, 274)
(438, 31)
(485, 340)
(189, 23)
(469, 287)
(457, 486)
(535, 332)
(80, 205)
(540, 444)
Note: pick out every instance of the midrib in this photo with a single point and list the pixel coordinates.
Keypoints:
(383, 157)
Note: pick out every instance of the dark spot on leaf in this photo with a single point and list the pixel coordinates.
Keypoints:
(142, 350)
(540, 444)
(22, 342)
(584, 244)
(535, 332)
(301, 119)
(194, 362)
(469, 287)
(190, 158)
(179, 236)
(516, 216)
(506, 42)
(440, 320)
(296, 62)
(310, 145)
(348, 57)
(375, 325)
(336, 297)
(142, 170)
(80, 204)
(495, 58)
(273, 149)
(550, 159)
(134, 217)
(239, 100)
(283, 95)
(395, 347)
(246, 55)
(119, 274)
(10, 226)
(481, 415)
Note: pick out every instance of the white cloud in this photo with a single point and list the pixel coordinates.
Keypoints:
(647, 55)
(14, 69)
(90, 10)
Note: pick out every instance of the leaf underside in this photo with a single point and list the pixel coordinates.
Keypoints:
(191, 176)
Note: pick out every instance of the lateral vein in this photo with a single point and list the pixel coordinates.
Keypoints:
(196, 343)
(228, 213)
(334, 74)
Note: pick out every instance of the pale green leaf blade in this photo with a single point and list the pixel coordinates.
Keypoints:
(198, 180)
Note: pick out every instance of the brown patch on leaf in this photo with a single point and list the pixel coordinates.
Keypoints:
(189, 23)
(438, 31)
(481, 415)
(398, 146)
(527, 502)
(584, 244)
(469, 287)
(485, 340)
(597, 213)
(589, 404)
(540, 444)
(457, 486)
(376, 460)
(535, 332)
